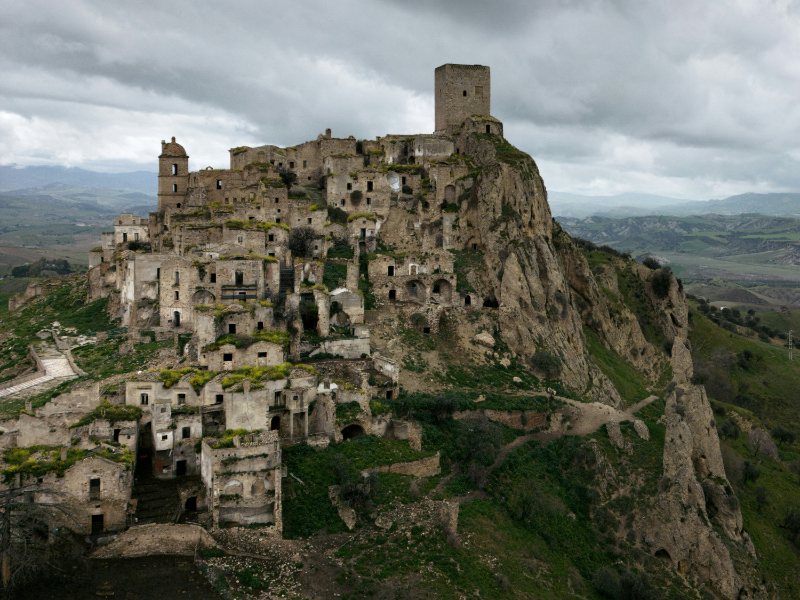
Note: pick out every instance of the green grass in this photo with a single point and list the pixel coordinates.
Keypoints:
(629, 382)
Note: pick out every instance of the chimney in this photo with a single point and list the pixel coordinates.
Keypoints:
(63, 453)
(173, 139)
(328, 133)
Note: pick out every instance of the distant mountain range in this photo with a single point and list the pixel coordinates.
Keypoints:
(19, 178)
(633, 205)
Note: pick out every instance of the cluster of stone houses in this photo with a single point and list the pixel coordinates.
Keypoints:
(215, 263)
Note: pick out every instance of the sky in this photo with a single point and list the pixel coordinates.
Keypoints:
(686, 99)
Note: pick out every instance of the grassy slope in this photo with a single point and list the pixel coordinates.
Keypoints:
(773, 382)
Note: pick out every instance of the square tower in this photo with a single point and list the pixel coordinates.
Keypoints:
(461, 91)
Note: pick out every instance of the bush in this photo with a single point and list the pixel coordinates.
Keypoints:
(628, 587)
(651, 263)
(356, 196)
(730, 430)
(337, 215)
(548, 363)
(750, 472)
(288, 178)
(661, 282)
(407, 189)
(301, 240)
(784, 435)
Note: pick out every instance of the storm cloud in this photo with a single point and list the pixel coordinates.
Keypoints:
(678, 98)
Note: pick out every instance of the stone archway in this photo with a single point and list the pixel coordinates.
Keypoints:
(204, 297)
(233, 487)
(352, 431)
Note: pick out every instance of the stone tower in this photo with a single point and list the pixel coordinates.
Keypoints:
(461, 91)
(173, 175)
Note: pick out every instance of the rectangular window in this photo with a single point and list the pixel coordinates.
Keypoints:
(213, 278)
(186, 432)
(277, 200)
(271, 237)
(219, 184)
(181, 399)
(369, 201)
(304, 166)
(404, 180)
(219, 398)
(291, 164)
(309, 220)
(177, 278)
(369, 186)
(164, 437)
(174, 187)
(174, 169)
(260, 325)
(479, 90)
(135, 237)
(277, 220)
(145, 399)
(227, 357)
(262, 355)
(349, 186)
(391, 271)
(177, 296)
(94, 489)
(231, 327)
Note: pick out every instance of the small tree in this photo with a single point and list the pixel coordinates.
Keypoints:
(547, 362)
(784, 435)
(301, 241)
(651, 263)
(730, 430)
(750, 472)
(761, 497)
(661, 281)
(356, 196)
(288, 178)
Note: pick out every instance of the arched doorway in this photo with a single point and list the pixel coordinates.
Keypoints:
(203, 297)
(258, 488)
(191, 504)
(415, 291)
(275, 423)
(176, 319)
(352, 431)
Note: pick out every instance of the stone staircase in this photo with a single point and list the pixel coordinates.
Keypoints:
(56, 370)
(287, 280)
(158, 500)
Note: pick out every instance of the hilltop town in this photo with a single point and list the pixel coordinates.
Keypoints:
(405, 303)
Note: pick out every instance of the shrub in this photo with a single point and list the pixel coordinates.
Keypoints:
(651, 263)
(301, 240)
(661, 282)
(784, 435)
(337, 215)
(356, 196)
(547, 362)
(750, 472)
(407, 189)
(730, 430)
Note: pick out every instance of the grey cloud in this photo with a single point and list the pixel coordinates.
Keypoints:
(683, 97)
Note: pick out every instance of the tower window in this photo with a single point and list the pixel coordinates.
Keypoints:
(271, 237)
(219, 184)
(174, 187)
(369, 186)
(369, 201)
(291, 165)
(309, 220)
(177, 295)
(177, 278)
(464, 93)
(174, 169)
(304, 166)
(488, 129)
(349, 186)
(213, 278)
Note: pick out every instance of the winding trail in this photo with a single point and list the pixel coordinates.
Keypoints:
(582, 419)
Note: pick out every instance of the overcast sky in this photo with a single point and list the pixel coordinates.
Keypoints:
(682, 98)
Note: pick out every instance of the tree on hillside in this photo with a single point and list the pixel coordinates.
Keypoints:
(301, 241)
(661, 281)
(783, 435)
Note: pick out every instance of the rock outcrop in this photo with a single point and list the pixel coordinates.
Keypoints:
(695, 494)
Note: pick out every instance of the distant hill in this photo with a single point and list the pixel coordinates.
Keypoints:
(631, 205)
(17, 178)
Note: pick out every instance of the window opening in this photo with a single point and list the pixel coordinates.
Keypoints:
(186, 433)
(227, 357)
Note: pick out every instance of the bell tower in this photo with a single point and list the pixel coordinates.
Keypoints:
(173, 175)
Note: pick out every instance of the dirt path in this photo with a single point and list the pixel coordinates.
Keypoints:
(582, 419)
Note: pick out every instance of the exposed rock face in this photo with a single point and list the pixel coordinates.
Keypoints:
(484, 339)
(695, 490)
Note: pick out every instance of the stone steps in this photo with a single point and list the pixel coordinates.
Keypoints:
(56, 370)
